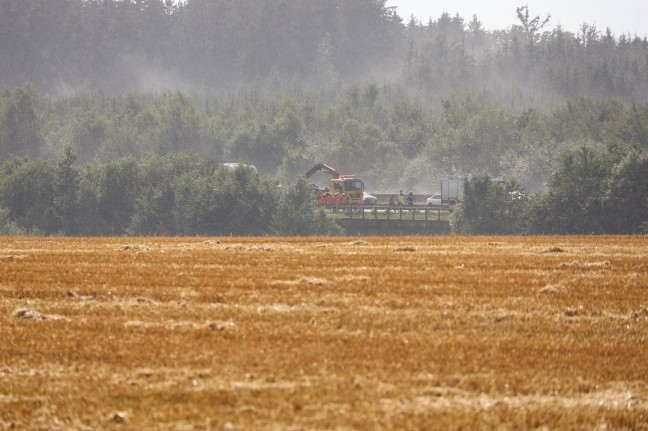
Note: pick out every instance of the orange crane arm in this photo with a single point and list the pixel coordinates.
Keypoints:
(323, 167)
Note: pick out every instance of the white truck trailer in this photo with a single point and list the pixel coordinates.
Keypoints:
(451, 191)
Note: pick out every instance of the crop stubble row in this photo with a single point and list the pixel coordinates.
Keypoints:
(281, 333)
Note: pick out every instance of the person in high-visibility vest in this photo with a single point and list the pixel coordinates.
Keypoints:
(401, 198)
(343, 199)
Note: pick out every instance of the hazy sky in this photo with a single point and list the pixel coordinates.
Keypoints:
(622, 16)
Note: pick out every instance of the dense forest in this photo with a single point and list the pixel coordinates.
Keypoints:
(101, 96)
(63, 46)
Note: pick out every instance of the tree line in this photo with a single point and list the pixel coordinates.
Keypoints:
(370, 130)
(177, 194)
(62, 46)
(594, 179)
(131, 44)
(117, 87)
(589, 193)
(183, 194)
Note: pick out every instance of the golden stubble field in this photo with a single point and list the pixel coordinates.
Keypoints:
(324, 333)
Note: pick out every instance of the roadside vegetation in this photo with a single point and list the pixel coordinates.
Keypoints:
(107, 176)
(178, 194)
(127, 135)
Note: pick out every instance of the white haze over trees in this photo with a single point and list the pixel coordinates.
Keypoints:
(64, 46)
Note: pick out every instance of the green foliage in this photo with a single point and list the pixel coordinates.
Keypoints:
(363, 150)
(574, 202)
(530, 26)
(324, 67)
(88, 134)
(9, 227)
(152, 44)
(66, 200)
(27, 193)
(471, 137)
(241, 202)
(185, 195)
(176, 194)
(119, 186)
(154, 212)
(490, 208)
(178, 127)
(445, 98)
(626, 194)
(88, 217)
(408, 127)
(389, 141)
(592, 193)
(128, 45)
(20, 125)
(298, 213)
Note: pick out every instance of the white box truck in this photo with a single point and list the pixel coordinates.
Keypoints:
(451, 191)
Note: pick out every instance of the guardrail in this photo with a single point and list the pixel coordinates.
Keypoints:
(382, 211)
(392, 219)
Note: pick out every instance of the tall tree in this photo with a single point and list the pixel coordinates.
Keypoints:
(574, 202)
(20, 124)
(27, 192)
(66, 200)
(626, 198)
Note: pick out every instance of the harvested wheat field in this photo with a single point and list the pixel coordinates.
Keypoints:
(324, 333)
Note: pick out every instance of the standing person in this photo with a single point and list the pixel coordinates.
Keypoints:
(401, 198)
(410, 199)
(392, 199)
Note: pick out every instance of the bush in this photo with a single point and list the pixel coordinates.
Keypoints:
(490, 208)
(297, 213)
(27, 193)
